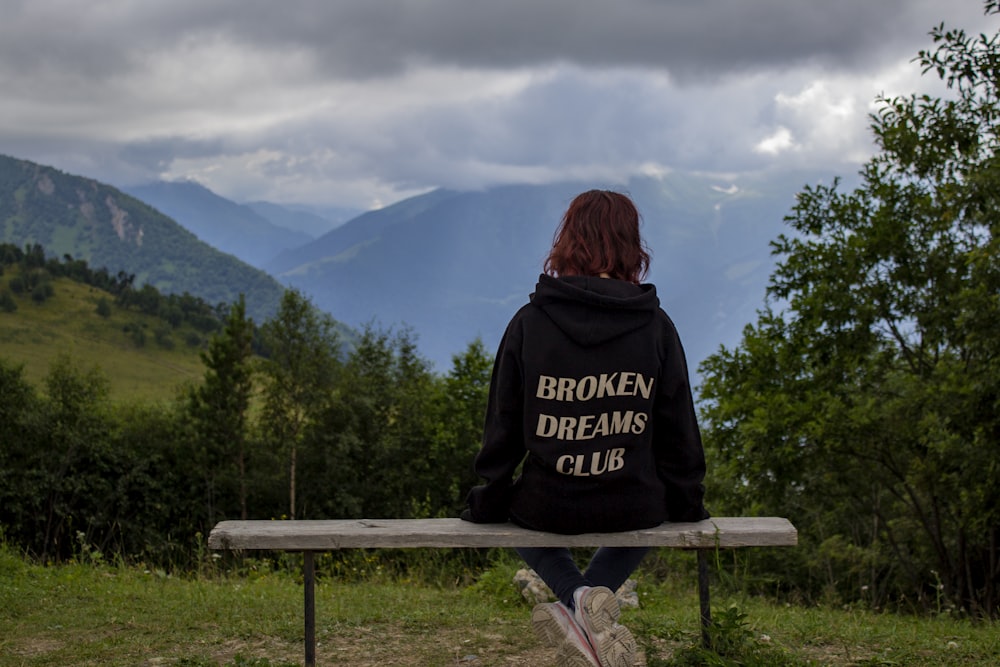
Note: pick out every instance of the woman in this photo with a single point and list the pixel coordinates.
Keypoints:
(590, 395)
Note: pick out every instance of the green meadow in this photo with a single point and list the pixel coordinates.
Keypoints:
(88, 612)
(68, 323)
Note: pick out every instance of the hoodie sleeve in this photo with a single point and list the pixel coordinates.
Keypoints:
(503, 436)
(680, 457)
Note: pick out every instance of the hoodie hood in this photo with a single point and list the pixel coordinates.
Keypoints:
(592, 311)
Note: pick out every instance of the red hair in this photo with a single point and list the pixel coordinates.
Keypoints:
(599, 234)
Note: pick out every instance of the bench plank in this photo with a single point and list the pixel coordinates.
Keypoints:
(327, 535)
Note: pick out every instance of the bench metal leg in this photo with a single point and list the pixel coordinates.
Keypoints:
(703, 597)
(309, 584)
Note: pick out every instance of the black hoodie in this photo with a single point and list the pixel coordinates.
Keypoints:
(590, 391)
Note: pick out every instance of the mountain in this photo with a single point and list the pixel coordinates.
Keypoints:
(457, 265)
(234, 228)
(108, 228)
(309, 220)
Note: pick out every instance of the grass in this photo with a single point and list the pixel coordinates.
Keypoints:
(99, 614)
(68, 323)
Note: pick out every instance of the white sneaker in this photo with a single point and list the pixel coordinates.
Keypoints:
(555, 627)
(597, 613)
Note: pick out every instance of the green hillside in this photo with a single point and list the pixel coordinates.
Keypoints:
(94, 222)
(142, 356)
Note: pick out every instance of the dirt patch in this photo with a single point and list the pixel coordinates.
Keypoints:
(381, 646)
(36, 647)
(833, 655)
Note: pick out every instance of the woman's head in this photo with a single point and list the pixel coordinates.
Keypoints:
(599, 234)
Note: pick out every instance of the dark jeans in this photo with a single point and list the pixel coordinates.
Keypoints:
(609, 566)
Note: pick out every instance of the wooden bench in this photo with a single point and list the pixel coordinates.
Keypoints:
(310, 537)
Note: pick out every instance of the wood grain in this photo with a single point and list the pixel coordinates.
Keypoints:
(318, 535)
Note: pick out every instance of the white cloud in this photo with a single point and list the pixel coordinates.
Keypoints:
(778, 142)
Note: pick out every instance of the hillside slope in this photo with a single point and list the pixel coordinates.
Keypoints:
(68, 323)
(107, 228)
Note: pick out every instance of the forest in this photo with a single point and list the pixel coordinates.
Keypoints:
(863, 404)
(284, 424)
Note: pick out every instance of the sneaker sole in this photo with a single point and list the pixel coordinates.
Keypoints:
(551, 633)
(570, 656)
(546, 625)
(614, 643)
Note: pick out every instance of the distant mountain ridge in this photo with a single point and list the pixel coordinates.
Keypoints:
(311, 220)
(234, 228)
(456, 265)
(360, 230)
(106, 227)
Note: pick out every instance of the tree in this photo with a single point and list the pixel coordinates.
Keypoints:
(103, 307)
(21, 439)
(864, 402)
(71, 464)
(300, 370)
(459, 423)
(377, 451)
(7, 302)
(220, 405)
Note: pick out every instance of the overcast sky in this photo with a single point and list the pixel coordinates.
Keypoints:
(363, 102)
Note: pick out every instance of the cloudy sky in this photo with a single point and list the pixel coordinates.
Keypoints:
(363, 102)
